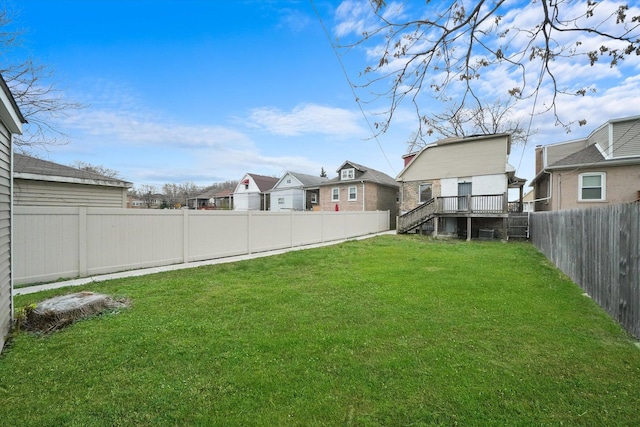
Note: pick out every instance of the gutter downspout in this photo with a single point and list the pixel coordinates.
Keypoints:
(363, 205)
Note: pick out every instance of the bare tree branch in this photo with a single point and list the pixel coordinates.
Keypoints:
(453, 45)
(33, 86)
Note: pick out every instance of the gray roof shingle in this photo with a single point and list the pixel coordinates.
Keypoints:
(23, 164)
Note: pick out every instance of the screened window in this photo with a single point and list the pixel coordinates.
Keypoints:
(353, 193)
(425, 193)
(592, 186)
(335, 194)
(281, 200)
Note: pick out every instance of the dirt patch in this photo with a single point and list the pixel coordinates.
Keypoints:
(58, 312)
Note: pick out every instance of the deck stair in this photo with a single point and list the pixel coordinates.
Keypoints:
(416, 217)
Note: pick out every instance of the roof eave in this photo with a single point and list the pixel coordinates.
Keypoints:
(70, 180)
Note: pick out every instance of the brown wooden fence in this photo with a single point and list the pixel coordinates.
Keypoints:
(598, 248)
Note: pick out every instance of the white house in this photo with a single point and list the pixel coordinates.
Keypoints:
(251, 192)
(296, 191)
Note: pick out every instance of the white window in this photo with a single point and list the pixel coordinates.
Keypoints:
(281, 200)
(314, 198)
(592, 186)
(288, 181)
(353, 193)
(347, 173)
(335, 194)
(425, 193)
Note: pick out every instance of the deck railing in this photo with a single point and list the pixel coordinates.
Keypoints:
(416, 216)
(470, 204)
(486, 203)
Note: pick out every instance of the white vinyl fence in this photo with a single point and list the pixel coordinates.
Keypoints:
(52, 243)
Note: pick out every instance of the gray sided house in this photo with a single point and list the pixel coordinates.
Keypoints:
(39, 182)
(360, 188)
(296, 191)
(11, 121)
(459, 186)
(603, 168)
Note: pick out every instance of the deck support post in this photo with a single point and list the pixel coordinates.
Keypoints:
(505, 228)
(468, 229)
(435, 226)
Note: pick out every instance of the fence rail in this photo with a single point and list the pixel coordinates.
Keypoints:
(53, 243)
(598, 248)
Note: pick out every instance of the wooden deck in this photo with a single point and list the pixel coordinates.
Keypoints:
(470, 206)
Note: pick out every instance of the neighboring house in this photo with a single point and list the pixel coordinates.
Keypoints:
(459, 186)
(11, 121)
(251, 192)
(603, 168)
(38, 182)
(135, 203)
(212, 199)
(528, 201)
(296, 191)
(146, 201)
(360, 188)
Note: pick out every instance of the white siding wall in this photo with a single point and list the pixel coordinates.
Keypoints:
(489, 184)
(449, 187)
(247, 197)
(5, 234)
(292, 199)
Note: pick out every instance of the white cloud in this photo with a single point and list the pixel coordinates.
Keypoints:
(136, 128)
(308, 118)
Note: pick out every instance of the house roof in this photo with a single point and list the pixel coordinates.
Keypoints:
(368, 175)
(27, 167)
(587, 155)
(305, 179)
(213, 193)
(264, 183)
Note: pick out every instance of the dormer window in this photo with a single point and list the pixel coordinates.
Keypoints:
(348, 173)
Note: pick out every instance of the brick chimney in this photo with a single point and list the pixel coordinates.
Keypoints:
(539, 159)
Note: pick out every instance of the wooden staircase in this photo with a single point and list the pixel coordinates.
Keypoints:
(416, 217)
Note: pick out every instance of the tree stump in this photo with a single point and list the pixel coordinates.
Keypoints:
(58, 312)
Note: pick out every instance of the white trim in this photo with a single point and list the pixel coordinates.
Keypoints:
(70, 180)
(333, 194)
(355, 193)
(349, 173)
(603, 186)
(430, 184)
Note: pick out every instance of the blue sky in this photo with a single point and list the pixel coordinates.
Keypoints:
(205, 91)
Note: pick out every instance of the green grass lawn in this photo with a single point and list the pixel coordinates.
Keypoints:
(393, 330)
